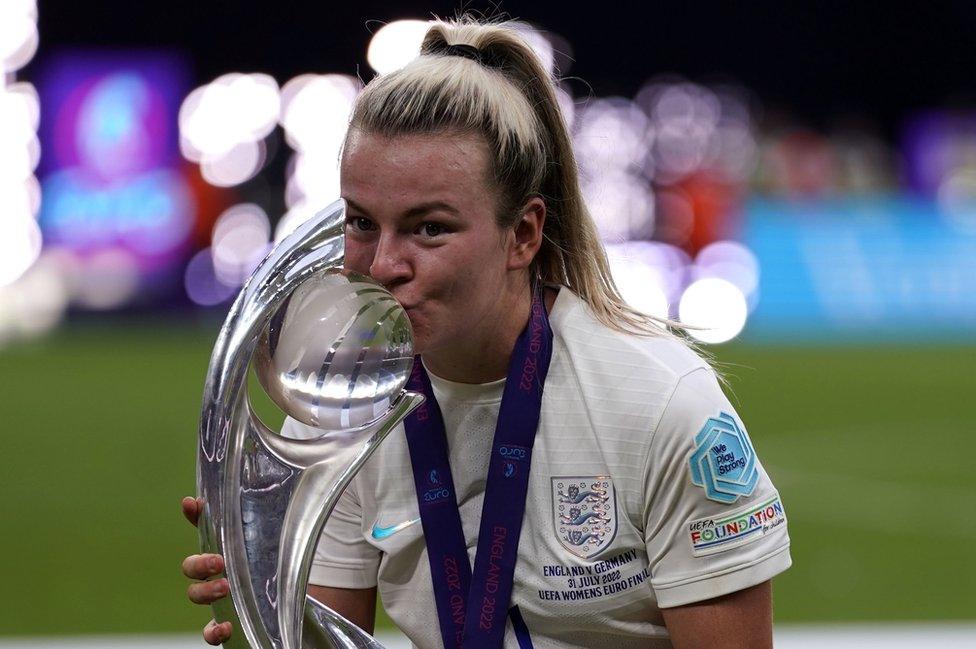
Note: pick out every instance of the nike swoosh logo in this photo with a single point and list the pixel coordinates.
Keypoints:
(384, 532)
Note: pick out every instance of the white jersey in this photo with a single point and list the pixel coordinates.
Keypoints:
(644, 493)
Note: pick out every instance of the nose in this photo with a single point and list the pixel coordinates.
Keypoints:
(390, 265)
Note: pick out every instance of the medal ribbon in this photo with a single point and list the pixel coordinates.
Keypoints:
(472, 608)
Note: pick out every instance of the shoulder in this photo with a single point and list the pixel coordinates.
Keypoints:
(591, 345)
(620, 383)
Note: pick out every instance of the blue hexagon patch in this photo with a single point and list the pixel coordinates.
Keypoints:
(724, 462)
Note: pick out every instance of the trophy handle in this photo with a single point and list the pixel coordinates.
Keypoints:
(315, 246)
(315, 495)
(315, 491)
(326, 628)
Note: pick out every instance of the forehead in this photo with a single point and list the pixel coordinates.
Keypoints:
(429, 167)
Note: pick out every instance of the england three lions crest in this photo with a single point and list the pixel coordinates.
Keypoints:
(584, 510)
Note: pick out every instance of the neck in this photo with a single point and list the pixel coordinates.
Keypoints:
(485, 354)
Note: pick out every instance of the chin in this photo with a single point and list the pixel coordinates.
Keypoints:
(423, 342)
(419, 337)
(427, 335)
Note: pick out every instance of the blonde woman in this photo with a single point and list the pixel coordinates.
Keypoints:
(577, 477)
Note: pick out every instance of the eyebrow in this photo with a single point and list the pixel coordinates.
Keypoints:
(417, 210)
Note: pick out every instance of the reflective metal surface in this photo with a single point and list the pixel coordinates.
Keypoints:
(334, 351)
(337, 353)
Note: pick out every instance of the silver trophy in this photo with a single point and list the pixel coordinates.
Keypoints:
(333, 350)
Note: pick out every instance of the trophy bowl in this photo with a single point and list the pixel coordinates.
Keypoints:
(337, 352)
(334, 351)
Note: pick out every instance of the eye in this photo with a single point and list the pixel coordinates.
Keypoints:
(432, 229)
(359, 223)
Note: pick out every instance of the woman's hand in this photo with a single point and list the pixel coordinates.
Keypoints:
(201, 567)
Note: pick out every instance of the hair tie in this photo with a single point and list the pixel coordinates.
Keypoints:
(468, 52)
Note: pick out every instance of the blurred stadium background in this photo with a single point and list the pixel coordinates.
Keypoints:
(798, 180)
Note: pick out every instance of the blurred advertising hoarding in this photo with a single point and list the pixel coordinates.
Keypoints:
(117, 202)
(893, 268)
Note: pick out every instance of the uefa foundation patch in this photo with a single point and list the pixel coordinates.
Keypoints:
(711, 535)
(724, 462)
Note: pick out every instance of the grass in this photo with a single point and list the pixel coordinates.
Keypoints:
(872, 449)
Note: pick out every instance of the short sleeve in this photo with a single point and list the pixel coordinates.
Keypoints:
(343, 557)
(714, 522)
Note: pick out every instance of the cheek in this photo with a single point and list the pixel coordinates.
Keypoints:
(358, 257)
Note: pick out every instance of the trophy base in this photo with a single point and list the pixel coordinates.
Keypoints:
(322, 628)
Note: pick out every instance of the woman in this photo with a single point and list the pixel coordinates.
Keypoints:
(645, 519)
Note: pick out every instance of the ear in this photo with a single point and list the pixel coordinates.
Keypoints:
(526, 236)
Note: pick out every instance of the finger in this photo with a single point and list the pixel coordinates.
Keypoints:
(201, 566)
(207, 592)
(215, 633)
(191, 508)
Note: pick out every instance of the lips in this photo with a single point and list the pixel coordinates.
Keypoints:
(411, 312)
(406, 306)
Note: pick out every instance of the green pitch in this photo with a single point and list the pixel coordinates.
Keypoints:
(872, 450)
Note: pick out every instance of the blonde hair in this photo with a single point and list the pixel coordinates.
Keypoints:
(496, 87)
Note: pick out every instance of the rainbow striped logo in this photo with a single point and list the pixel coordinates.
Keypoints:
(711, 535)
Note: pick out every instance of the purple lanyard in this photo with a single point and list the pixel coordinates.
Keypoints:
(481, 625)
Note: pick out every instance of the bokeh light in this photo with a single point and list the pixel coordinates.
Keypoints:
(612, 133)
(36, 302)
(201, 283)
(316, 177)
(293, 218)
(106, 279)
(715, 310)
(232, 109)
(684, 116)
(622, 204)
(315, 116)
(540, 44)
(20, 197)
(398, 42)
(611, 140)
(315, 110)
(640, 283)
(733, 262)
(395, 44)
(20, 235)
(233, 167)
(20, 245)
(20, 162)
(697, 128)
(20, 109)
(18, 33)
(20, 148)
(567, 106)
(240, 240)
